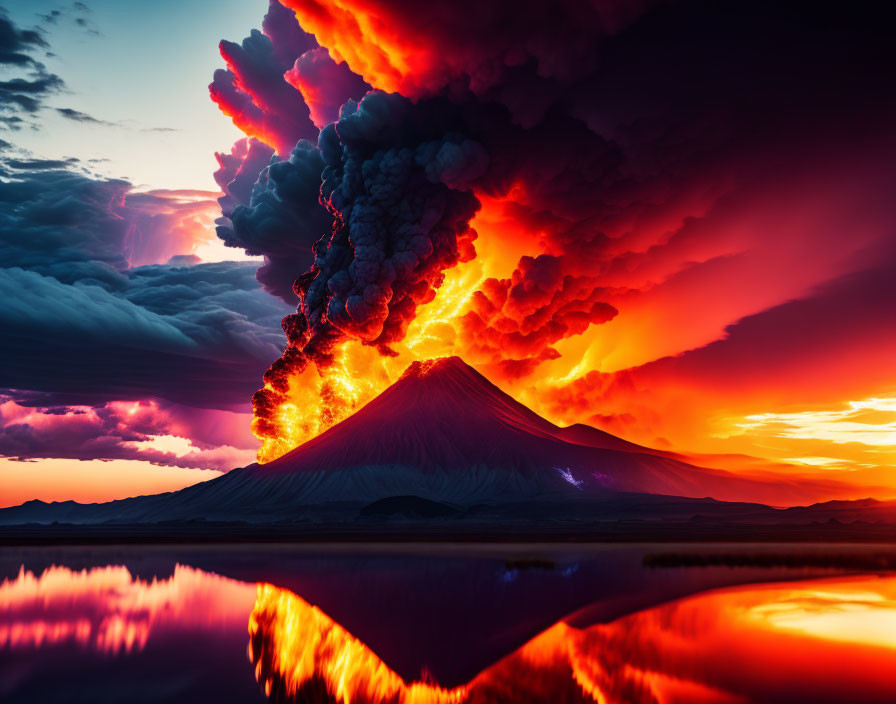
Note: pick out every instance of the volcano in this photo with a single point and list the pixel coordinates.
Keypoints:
(442, 442)
(445, 420)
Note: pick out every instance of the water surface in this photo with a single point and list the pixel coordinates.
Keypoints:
(433, 623)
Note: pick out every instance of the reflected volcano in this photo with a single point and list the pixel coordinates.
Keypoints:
(182, 634)
(818, 641)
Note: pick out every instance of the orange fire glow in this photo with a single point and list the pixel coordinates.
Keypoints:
(320, 398)
(816, 640)
(295, 645)
(718, 429)
(695, 349)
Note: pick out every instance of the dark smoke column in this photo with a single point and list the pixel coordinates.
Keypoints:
(397, 186)
(274, 83)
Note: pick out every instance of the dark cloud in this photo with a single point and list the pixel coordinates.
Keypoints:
(78, 116)
(198, 335)
(397, 186)
(59, 223)
(82, 324)
(275, 83)
(281, 219)
(16, 44)
(23, 94)
(39, 164)
(51, 17)
(605, 131)
(238, 171)
(28, 94)
(608, 125)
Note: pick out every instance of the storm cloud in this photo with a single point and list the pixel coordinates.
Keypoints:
(81, 323)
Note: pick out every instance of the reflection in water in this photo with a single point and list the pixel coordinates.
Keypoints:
(838, 612)
(104, 634)
(107, 610)
(300, 651)
(820, 641)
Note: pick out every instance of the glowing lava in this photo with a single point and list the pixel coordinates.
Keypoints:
(320, 397)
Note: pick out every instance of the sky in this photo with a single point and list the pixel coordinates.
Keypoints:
(673, 222)
(145, 67)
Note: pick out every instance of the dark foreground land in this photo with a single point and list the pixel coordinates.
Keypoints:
(202, 532)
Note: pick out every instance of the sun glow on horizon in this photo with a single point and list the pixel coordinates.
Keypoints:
(849, 436)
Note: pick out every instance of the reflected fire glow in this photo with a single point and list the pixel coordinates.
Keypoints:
(810, 641)
(822, 640)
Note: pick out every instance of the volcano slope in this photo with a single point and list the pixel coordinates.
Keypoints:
(444, 442)
(470, 442)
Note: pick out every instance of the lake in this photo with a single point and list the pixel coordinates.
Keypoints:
(449, 623)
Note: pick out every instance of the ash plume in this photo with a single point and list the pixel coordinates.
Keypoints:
(275, 82)
(616, 174)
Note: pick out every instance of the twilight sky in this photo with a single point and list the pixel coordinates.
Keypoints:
(144, 67)
(673, 221)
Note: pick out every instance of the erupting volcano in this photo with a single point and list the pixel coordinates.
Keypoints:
(467, 442)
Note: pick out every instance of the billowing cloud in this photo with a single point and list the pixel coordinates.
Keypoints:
(84, 324)
(324, 84)
(238, 171)
(196, 335)
(644, 190)
(252, 91)
(66, 224)
(119, 343)
(165, 434)
(516, 54)
(279, 88)
(281, 220)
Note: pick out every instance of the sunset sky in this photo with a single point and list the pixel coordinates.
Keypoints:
(669, 221)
